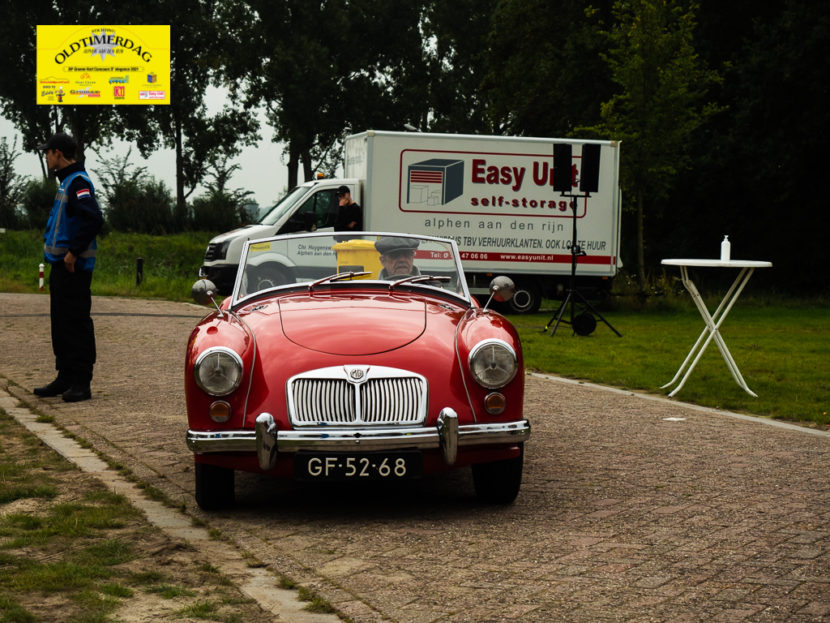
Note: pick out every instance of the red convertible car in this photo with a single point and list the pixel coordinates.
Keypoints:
(351, 358)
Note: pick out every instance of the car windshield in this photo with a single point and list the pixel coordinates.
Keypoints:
(318, 261)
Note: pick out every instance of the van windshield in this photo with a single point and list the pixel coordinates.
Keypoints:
(283, 205)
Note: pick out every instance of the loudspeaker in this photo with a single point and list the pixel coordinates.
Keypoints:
(562, 167)
(589, 176)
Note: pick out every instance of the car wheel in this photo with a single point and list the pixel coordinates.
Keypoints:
(499, 482)
(271, 275)
(526, 299)
(214, 487)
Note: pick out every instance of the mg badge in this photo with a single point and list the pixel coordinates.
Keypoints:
(356, 374)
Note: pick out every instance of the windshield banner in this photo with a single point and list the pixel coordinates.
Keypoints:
(103, 65)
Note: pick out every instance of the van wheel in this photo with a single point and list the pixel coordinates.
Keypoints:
(270, 276)
(527, 299)
(214, 486)
(499, 482)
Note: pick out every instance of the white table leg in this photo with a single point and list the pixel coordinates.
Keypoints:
(711, 330)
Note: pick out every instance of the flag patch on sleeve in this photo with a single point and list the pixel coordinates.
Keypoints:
(83, 193)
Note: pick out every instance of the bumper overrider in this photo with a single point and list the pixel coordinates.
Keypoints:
(447, 436)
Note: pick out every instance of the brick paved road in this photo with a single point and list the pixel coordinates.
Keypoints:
(624, 514)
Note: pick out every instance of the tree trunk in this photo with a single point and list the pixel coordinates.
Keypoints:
(307, 168)
(293, 162)
(77, 129)
(181, 208)
(641, 261)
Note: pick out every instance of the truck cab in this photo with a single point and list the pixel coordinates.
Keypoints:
(311, 206)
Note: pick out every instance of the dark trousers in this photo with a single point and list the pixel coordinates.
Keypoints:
(73, 334)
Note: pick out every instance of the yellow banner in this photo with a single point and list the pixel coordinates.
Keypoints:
(103, 65)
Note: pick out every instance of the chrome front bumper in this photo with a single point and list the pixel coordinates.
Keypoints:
(267, 441)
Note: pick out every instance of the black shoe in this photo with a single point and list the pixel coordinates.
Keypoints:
(76, 393)
(55, 388)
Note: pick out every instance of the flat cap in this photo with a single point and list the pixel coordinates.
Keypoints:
(388, 245)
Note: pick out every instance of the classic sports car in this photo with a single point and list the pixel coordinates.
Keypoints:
(351, 358)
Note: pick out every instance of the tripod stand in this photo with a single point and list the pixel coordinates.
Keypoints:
(583, 323)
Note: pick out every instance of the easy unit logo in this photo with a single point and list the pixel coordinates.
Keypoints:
(435, 181)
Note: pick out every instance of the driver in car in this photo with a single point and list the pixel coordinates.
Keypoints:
(397, 256)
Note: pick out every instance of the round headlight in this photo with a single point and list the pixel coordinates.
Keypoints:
(218, 371)
(493, 363)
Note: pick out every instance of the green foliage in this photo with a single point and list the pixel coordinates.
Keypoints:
(661, 93)
(543, 75)
(12, 185)
(342, 66)
(142, 207)
(658, 105)
(38, 197)
(455, 64)
(217, 211)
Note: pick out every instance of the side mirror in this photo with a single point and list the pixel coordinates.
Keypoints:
(203, 291)
(501, 289)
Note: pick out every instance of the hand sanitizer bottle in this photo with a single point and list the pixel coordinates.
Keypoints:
(725, 249)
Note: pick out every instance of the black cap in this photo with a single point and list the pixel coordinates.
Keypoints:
(388, 245)
(343, 190)
(61, 141)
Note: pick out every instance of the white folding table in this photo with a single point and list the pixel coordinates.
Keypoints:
(713, 321)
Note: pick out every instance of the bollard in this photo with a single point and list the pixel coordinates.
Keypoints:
(139, 270)
(40, 277)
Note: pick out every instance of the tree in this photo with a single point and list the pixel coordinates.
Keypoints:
(90, 125)
(183, 125)
(220, 208)
(455, 53)
(545, 75)
(660, 102)
(761, 162)
(132, 201)
(12, 185)
(38, 197)
(321, 69)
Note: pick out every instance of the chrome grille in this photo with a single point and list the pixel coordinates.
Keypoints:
(357, 395)
(389, 401)
(324, 400)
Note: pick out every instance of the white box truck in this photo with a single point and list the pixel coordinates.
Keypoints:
(493, 195)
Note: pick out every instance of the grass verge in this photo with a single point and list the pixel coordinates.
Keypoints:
(783, 353)
(73, 551)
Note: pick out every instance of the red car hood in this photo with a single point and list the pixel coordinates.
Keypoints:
(375, 325)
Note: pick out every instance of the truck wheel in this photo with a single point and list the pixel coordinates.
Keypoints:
(214, 487)
(271, 275)
(499, 482)
(527, 299)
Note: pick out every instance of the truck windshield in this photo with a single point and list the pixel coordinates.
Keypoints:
(283, 205)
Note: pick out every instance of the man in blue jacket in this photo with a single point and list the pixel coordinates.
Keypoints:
(70, 248)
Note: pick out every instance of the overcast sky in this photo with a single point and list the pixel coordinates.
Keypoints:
(262, 170)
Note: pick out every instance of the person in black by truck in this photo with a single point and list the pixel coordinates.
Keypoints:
(70, 248)
(350, 217)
